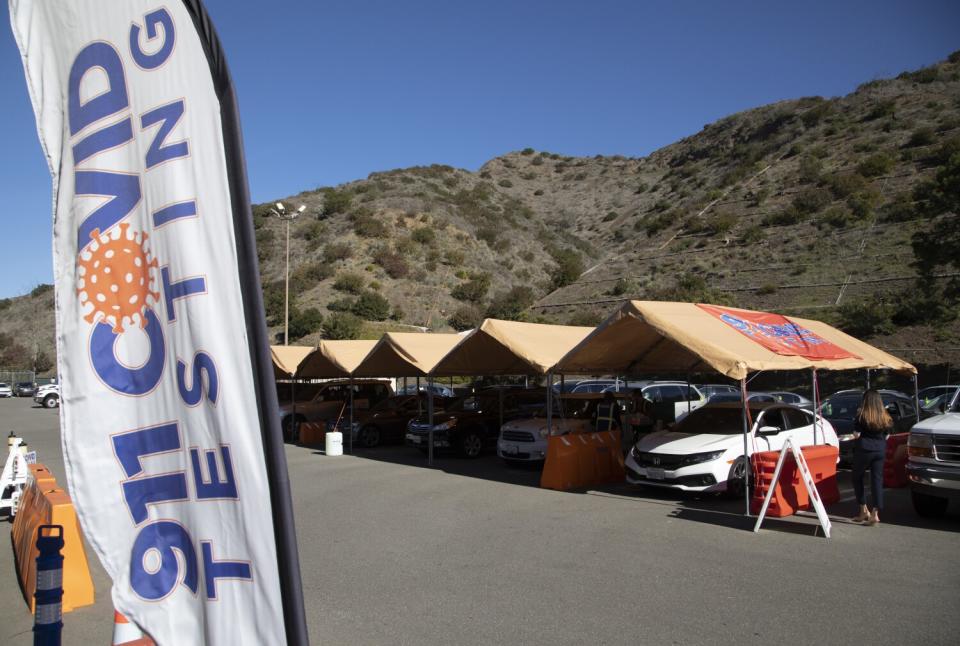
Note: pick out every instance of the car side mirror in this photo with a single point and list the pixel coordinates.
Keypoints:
(768, 430)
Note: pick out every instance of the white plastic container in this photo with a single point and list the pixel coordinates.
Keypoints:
(334, 443)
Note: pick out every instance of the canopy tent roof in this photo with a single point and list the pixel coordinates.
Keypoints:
(333, 359)
(652, 336)
(510, 348)
(286, 358)
(406, 354)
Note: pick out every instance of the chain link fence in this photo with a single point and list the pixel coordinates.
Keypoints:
(12, 377)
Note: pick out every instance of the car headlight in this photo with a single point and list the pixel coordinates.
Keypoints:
(920, 445)
(699, 458)
(635, 452)
(446, 426)
(846, 437)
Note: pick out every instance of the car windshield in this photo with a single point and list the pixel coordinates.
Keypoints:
(712, 420)
(471, 403)
(841, 407)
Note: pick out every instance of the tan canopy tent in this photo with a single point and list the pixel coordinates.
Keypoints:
(510, 348)
(286, 359)
(652, 336)
(406, 354)
(334, 359)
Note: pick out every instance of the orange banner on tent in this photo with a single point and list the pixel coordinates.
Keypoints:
(778, 334)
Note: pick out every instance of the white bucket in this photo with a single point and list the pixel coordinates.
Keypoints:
(334, 443)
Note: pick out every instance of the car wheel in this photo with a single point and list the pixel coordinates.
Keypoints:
(50, 401)
(929, 506)
(471, 444)
(369, 436)
(737, 478)
(288, 425)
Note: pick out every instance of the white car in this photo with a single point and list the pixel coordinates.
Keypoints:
(48, 396)
(5, 390)
(704, 451)
(675, 398)
(525, 440)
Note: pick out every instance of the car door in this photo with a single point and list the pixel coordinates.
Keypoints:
(908, 417)
(799, 427)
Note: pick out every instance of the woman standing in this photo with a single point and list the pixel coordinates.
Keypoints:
(871, 427)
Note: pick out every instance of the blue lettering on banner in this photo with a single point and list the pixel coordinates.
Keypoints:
(219, 485)
(163, 538)
(213, 570)
(202, 365)
(101, 56)
(152, 19)
(174, 212)
(164, 555)
(181, 289)
(167, 116)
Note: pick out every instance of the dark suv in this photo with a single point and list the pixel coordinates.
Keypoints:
(470, 424)
(25, 389)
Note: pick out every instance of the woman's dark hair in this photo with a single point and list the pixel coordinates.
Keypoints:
(872, 414)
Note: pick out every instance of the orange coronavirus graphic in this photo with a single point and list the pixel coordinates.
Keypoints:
(116, 277)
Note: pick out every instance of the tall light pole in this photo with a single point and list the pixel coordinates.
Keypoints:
(281, 212)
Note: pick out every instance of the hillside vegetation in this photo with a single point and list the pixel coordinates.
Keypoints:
(843, 209)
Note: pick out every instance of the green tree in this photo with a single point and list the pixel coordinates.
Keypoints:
(474, 290)
(937, 246)
(465, 317)
(568, 269)
(304, 322)
(335, 201)
(342, 325)
(349, 282)
(510, 305)
(372, 306)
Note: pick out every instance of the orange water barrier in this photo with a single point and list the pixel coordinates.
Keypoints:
(312, 432)
(790, 494)
(43, 503)
(895, 461)
(579, 460)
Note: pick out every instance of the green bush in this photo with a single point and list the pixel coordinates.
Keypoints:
(368, 226)
(866, 318)
(311, 230)
(349, 282)
(846, 184)
(537, 161)
(921, 137)
(273, 297)
(811, 200)
(337, 251)
(836, 216)
(465, 317)
(41, 289)
(810, 169)
(569, 267)
(505, 183)
(342, 325)
(621, 287)
(612, 215)
(309, 274)
(372, 306)
(304, 322)
(510, 305)
(453, 257)
(876, 165)
(335, 201)
(527, 151)
(474, 290)
(899, 209)
(424, 235)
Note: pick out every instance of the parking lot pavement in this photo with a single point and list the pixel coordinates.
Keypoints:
(470, 552)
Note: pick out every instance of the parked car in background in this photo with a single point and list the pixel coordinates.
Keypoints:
(472, 423)
(566, 386)
(438, 390)
(936, 399)
(672, 400)
(709, 390)
(794, 399)
(25, 389)
(841, 410)
(5, 390)
(525, 438)
(327, 401)
(48, 396)
(386, 422)
(754, 398)
(704, 451)
(933, 461)
(597, 386)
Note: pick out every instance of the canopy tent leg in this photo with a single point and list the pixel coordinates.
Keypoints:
(500, 403)
(688, 393)
(350, 425)
(550, 404)
(746, 454)
(294, 427)
(429, 420)
(868, 378)
(813, 398)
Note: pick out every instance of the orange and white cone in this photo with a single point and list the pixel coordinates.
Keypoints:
(127, 633)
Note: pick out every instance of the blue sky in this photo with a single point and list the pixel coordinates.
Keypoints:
(333, 90)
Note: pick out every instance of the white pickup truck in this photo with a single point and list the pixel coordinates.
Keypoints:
(933, 461)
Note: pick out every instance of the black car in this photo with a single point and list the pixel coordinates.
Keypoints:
(840, 409)
(25, 389)
(470, 424)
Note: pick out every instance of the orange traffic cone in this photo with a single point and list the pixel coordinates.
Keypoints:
(126, 633)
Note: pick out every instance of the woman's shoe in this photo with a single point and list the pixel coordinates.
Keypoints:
(874, 519)
(862, 517)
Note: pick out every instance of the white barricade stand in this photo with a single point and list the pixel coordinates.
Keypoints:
(807, 482)
(14, 477)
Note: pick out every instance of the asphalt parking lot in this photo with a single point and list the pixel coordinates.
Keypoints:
(470, 552)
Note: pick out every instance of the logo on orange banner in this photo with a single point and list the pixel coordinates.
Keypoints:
(779, 334)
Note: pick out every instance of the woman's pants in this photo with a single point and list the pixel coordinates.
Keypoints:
(874, 460)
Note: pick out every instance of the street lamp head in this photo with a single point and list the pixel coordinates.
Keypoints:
(303, 207)
(280, 207)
